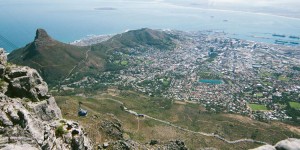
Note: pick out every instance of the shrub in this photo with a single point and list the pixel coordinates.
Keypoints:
(60, 131)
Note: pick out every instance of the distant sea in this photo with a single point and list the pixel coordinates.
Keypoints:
(70, 20)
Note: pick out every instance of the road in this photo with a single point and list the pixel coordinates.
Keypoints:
(194, 132)
(82, 61)
(74, 67)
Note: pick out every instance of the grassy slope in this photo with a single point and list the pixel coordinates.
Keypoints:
(134, 38)
(258, 107)
(295, 105)
(230, 126)
(53, 59)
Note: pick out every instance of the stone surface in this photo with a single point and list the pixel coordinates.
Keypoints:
(177, 144)
(288, 144)
(25, 82)
(30, 117)
(41, 34)
(126, 145)
(23, 146)
(112, 128)
(265, 147)
(46, 110)
(3, 57)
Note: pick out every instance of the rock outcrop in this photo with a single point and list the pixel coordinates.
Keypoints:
(29, 115)
(112, 128)
(41, 34)
(288, 144)
(133, 145)
(25, 82)
(177, 144)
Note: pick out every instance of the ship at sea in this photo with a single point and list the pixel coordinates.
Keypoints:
(294, 37)
(294, 43)
(279, 35)
(280, 42)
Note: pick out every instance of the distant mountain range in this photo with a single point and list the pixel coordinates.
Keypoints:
(56, 61)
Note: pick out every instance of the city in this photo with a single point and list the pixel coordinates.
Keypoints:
(223, 74)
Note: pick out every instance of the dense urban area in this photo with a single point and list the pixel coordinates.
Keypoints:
(223, 74)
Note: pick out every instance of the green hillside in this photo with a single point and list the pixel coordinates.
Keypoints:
(137, 38)
(56, 61)
(53, 59)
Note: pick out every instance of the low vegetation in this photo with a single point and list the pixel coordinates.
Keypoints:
(295, 105)
(297, 68)
(255, 107)
(60, 131)
(187, 115)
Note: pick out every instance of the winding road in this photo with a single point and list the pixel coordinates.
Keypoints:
(194, 132)
(207, 134)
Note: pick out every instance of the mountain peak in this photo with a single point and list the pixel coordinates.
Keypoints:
(41, 34)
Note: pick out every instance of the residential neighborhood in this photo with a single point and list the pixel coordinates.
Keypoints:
(223, 74)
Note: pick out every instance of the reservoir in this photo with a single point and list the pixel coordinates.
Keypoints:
(211, 81)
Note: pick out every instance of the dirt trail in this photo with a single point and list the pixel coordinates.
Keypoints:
(82, 61)
(201, 133)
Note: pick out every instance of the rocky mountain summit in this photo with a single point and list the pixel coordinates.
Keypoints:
(41, 34)
(29, 115)
(64, 57)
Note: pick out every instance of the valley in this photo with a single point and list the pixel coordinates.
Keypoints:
(150, 75)
(155, 86)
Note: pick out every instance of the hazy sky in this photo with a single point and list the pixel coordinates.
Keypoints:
(290, 8)
(257, 2)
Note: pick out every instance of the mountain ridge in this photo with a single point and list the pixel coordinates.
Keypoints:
(56, 61)
(53, 59)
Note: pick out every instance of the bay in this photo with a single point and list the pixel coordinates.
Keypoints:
(70, 20)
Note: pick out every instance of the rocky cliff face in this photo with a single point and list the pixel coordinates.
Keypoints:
(41, 34)
(29, 116)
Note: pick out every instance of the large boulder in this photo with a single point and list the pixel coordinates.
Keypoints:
(126, 145)
(25, 82)
(288, 144)
(265, 147)
(113, 128)
(3, 57)
(176, 144)
(3, 60)
(46, 110)
(133, 145)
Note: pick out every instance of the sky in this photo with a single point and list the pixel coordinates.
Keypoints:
(289, 8)
(258, 3)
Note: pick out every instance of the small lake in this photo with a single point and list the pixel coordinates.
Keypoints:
(211, 81)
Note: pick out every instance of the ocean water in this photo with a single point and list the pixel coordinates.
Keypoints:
(71, 20)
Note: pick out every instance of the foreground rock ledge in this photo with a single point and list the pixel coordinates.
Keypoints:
(29, 115)
(288, 144)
